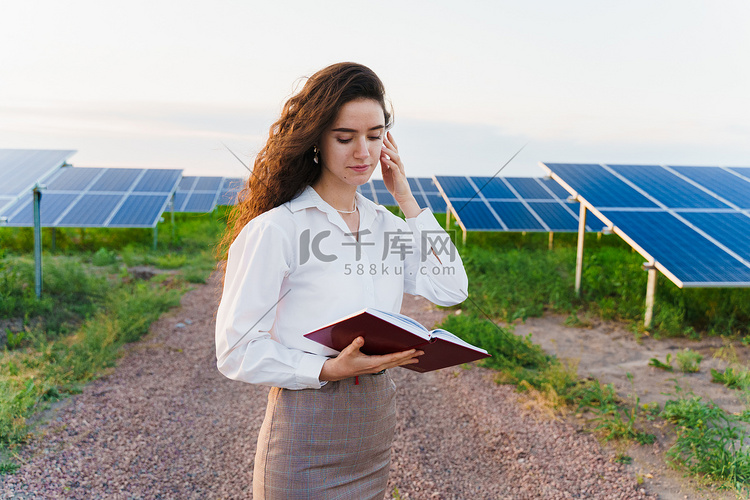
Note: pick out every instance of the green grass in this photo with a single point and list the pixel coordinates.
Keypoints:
(90, 307)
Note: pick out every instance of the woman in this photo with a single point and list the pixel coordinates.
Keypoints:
(307, 249)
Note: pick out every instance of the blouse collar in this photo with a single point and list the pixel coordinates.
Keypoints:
(309, 198)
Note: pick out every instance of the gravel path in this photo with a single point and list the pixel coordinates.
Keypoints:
(166, 424)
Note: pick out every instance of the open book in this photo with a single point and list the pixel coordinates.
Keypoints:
(385, 332)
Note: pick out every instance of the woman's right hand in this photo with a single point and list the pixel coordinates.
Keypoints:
(352, 362)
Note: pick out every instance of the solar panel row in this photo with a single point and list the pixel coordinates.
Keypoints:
(510, 204)
(99, 197)
(694, 222)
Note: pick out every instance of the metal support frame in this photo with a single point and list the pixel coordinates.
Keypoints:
(37, 242)
(650, 293)
(447, 218)
(551, 240)
(579, 252)
(156, 235)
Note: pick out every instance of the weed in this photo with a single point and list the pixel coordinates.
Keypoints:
(689, 361)
(709, 441)
(733, 378)
(613, 419)
(8, 467)
(650, 410)
(104, 257)
(170, 261)
(663, 366)
(14, 340)
(621, 458)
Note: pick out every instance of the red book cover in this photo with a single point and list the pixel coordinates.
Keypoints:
(386, 332)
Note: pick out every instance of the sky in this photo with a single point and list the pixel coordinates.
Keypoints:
(166, 84)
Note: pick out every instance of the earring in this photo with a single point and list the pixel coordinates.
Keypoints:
(315, 150)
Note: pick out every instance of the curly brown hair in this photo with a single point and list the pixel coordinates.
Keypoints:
(285, 166)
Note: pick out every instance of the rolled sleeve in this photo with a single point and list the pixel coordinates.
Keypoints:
(245, 350)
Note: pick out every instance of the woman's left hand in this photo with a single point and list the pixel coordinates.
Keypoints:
(395, 179)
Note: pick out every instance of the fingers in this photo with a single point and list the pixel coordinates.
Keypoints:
(396, 359)
(358, 363)
(390, 151)
(353, 348)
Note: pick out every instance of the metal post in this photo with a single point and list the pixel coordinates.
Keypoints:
(463, 240)
(171, 210)
(53, 243)
(579, 253)
(37, 243)
(650, 293)
(447, 219)
(156, 234)
(551, 237)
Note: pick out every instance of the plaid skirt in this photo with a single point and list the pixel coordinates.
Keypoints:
(328, 443)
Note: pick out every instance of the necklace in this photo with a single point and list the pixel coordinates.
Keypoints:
(348, 211)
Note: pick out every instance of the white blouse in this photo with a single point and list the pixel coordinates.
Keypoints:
(298, 267)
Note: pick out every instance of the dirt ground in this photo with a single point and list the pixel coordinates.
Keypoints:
(609, 352)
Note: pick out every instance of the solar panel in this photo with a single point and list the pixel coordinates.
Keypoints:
(516, 216)
(117, 179)
(92, 210)
(229, 190)
(605, 189)
(100, 197)
(492, 188)
(732, 229)
(692, 222)
(385, 198)
(423, 188)
(684, 252)
(436, 203)
(21, 169)
(670, 189)
(427, 184)
(138, 209)
(529, 188)
(201, 202)
(730, 186)
(521, 204)
(456, 187)
(478, 215)
(367, 191)
(557, 217)
(198, 194)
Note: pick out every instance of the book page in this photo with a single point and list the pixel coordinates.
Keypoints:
(401, 320)
(450, 337)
